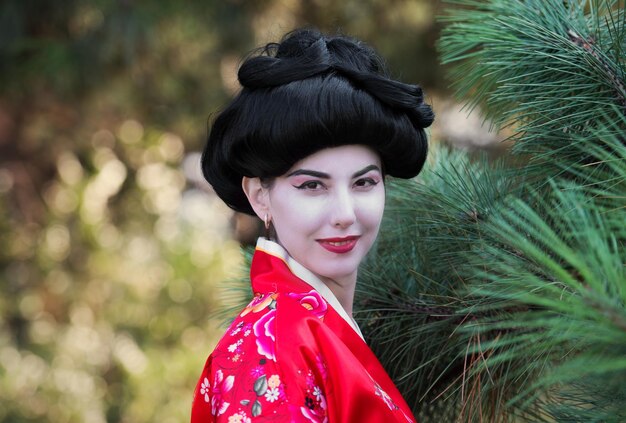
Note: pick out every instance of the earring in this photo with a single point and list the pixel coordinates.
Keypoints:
(267, 220)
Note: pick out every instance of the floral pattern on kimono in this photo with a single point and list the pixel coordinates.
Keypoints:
(289, 357)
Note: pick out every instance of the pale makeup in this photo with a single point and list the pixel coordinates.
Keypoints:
(326, 211)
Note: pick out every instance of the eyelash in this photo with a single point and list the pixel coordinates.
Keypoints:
(370, 182)
(307, 185)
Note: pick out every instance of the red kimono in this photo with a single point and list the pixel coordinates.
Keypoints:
(294, 355)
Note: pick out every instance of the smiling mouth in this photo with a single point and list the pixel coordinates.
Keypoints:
(339, 245)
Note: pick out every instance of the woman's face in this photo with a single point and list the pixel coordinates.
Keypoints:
(327, 210)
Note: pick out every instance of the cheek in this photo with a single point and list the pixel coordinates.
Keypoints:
(297, 215)
(372, 209)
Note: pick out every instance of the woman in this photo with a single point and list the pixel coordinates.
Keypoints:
(306, 146)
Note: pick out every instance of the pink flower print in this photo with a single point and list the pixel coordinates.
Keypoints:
(281, 392)
(221, 386)
(204, 389)
(265, 332)
(256, 372)
(312, 301)
(312, 415)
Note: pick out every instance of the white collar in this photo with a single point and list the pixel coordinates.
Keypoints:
(277, 250)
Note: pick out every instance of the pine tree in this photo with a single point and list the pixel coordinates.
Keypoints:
(497, 291)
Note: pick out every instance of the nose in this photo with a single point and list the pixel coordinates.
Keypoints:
(343, 210)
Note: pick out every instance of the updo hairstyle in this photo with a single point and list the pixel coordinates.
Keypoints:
(307, 93)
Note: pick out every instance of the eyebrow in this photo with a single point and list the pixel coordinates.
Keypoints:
(323, 175)
(365, 170)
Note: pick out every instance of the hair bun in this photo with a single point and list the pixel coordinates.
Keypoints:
(307, 55)
(268, 71)
(394, 94)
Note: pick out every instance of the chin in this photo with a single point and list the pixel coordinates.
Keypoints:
(338, 272)
(342, 266)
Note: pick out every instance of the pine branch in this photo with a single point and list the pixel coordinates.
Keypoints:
(566, 271)
(589, 46)
(547, 69)
(235, 293)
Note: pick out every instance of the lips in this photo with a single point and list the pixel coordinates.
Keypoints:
(339, 245)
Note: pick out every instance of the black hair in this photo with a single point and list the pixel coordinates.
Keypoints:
(307, 93)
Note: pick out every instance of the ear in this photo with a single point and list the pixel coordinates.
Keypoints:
(257, 196)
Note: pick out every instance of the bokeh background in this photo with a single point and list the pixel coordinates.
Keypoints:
(113, 251)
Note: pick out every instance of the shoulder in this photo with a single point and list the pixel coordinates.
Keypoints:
(261, 350)
(277, 321)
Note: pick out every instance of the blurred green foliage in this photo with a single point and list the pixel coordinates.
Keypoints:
(111, 248)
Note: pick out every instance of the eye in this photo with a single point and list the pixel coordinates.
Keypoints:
(365, 183)
(310, 185)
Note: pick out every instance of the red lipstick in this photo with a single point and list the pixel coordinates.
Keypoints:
(339, 245)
